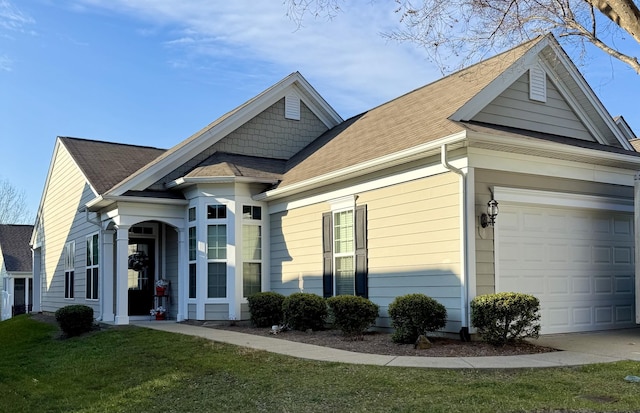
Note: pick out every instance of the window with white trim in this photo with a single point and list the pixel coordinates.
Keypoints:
(216, 251)
(344, 240)
(92, 272)
(193, 255)
(69, 259)
(251, 250)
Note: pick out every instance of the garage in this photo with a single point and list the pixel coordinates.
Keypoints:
(575, 253)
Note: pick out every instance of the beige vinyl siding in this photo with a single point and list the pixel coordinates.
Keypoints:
(485, 179)
(514, 108)
(216, 311)
(245, 314)
(296, 250)
(67, 191)
(414, 243)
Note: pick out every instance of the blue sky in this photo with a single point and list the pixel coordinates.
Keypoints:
(152, 72)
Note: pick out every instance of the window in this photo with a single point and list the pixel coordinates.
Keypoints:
(192, 214)
(91, 284)
(216, 212)
(344, 240)
(251, 259)
(217, 251)
(193, 242)
(69, 266)
(343, 253)
(251, 212)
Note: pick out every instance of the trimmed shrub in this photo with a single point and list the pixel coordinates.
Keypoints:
(265, 308)
(506, 317)
(352, 314)
(413, 315)
(75, 319)
(303, 311)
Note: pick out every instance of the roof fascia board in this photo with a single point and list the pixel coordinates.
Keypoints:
(226, 126)
(552, 147)
(361, 168)
(101, 202)
(500, 83)
(180, 182)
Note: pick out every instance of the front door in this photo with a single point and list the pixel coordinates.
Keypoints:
(141, 264)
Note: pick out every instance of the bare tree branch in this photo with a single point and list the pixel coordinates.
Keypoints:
(13, 205)
(455, 33)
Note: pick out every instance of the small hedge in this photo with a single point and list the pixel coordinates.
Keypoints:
(303, 311)
(413, 315)
(266, 308)
(352, 314)
(75, 319)
(506, 317)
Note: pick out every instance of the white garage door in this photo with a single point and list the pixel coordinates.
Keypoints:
(578, 262)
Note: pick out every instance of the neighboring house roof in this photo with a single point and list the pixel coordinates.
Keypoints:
(14, 245)
(105, 163)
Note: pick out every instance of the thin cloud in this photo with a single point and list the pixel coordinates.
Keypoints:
(6, 64)
(14, 20)
(345, 58)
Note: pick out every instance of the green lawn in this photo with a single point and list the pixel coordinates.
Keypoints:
(130, 369)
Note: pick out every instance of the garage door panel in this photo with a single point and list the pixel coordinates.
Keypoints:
(578, 262)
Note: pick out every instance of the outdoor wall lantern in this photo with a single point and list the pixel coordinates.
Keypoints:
(492, 212)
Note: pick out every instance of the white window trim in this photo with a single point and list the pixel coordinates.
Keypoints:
(215, 221)
(259, 223)
(351, 254)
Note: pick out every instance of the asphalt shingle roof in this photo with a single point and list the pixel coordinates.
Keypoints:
(222, 164)
(14, 243)
(105, 164)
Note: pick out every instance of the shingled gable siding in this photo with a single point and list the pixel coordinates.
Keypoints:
(414, 243)
(514, 108)
(267, 135)
(485, 266)
(66, 193)
(296, 250)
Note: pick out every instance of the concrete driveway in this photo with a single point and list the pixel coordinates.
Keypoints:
(621, 344)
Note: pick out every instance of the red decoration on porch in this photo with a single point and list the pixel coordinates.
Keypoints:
(161, 316)
(161, 291)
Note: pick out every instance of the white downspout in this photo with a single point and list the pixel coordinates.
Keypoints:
(464, 331)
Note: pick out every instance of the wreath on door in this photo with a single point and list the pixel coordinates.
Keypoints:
(138, 261)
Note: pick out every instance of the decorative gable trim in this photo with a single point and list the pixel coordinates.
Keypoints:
(537, 84)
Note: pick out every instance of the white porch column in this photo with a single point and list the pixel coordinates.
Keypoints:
(122, 287)
(636, 213)
(107, 259)
(183, 276)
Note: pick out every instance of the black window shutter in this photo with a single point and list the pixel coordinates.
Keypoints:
(327, 254)
(362, 287)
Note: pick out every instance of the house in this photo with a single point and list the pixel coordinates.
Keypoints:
(282, 194)
(15, 270)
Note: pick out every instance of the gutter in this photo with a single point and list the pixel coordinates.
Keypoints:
(393, 159)
(464, 331)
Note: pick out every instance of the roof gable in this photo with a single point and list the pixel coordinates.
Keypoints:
(203, 140)
(15, 249)
(584, 117)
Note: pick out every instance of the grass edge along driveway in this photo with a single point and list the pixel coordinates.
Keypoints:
(132, 369)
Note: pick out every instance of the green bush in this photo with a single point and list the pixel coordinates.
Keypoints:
(352, 314)
(265, 308)
(413, 315)
(75, 319)
(303, 311)
(506, 317)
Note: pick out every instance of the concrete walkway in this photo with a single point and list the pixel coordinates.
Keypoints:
(577, 349)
